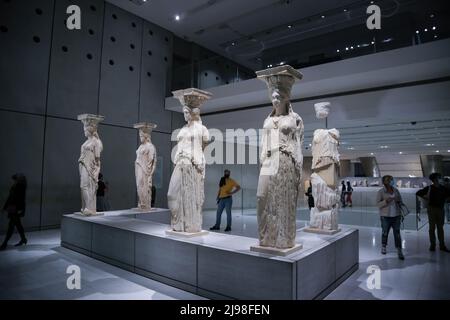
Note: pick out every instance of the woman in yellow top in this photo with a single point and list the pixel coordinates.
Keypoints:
(227, 187)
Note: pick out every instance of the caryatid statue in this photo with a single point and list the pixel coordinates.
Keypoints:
(89, 163)
(324, 179)
(145, 165)
(281, 163)
(186, 189)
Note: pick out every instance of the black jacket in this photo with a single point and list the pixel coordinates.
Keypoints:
(438, 195)
(16, 200)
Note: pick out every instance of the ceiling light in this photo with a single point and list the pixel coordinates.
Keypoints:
(323, 17)
(417, 31)
(233, 43)
(448, 150)
(351, 47)
(437, 151)
(426, 30)
(435, 36)
(429, 144)
(177, 17)
(373, 42)
(400, 152)
(346, 48)
(384, 147)
(371, 153)
(337, 50)
(432, 15)
(345, 10)
(434, 28)
(289, 26)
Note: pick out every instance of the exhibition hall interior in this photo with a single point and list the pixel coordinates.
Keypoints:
(225, 150)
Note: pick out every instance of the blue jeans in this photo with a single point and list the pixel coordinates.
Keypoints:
(224, 203)
(386, 224)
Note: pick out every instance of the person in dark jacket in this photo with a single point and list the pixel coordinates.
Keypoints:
(15, 208)
(310, 196)
(348, 193)
(343, 192)
(435, 195)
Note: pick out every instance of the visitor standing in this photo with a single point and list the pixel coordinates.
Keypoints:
(435, 197)
(349, 192)
(389, 202)
(15, 208)
(227, 187)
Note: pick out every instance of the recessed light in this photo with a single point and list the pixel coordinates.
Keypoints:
(371, 153)
(323, 17)
(437, 151)
(373, 42)
(337, 51)
(345, 10)
(346, 49)
(400, 152)
(417, 31)
(177, 17)
(434, 28)
(351, 47)
(432, 15)
(426, 30)
(289, 26)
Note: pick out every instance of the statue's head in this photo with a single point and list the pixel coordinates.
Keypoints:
(89, 130)
(90, 124)
(145, 131)
(192, 100)
(191, 114)
(322, 109)
(279, 81)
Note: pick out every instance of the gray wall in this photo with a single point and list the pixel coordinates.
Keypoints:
(49, 75)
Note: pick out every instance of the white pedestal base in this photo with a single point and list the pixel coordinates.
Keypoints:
(89, 215)
(276, 251)
(186, 234)
(320, 231)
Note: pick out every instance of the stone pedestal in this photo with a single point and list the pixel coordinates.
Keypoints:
(276, 251)
(186, 234)
(320, 231)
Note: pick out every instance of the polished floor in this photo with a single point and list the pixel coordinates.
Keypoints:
(38, 270)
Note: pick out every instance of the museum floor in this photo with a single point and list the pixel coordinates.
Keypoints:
(38, 270)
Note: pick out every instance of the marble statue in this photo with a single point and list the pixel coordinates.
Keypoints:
(186, 189)
(281, 162)
(324, 179)
(145, 165)
(89, 163)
